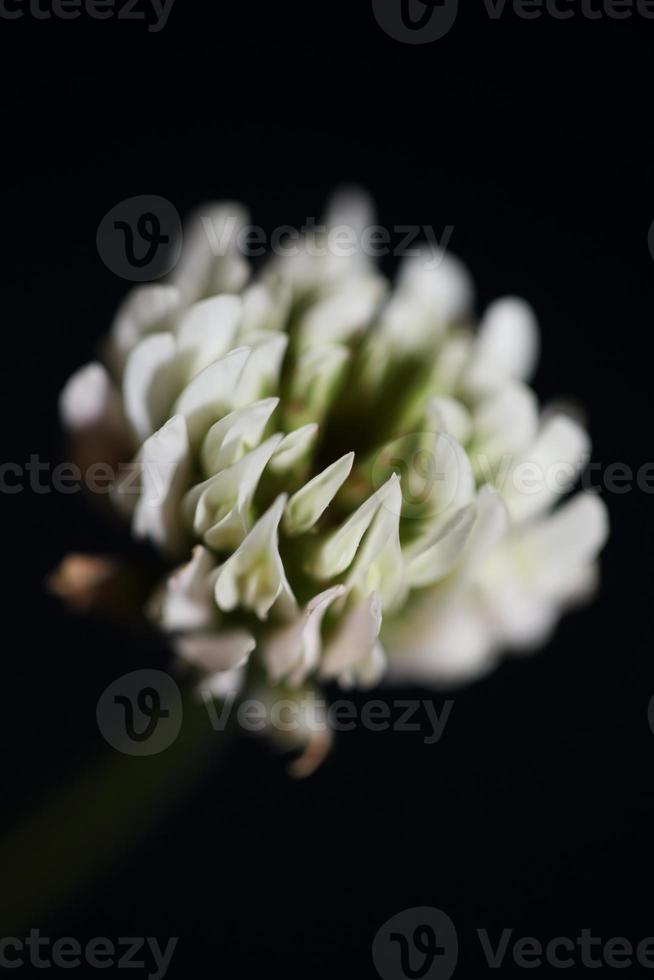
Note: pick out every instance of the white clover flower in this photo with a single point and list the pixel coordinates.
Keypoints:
(349, 479)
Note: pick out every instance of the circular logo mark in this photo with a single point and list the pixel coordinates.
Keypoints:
(650, 715)
(417, 944)
(140, 713)
(431, 471)
(140, 239)
(416, 21)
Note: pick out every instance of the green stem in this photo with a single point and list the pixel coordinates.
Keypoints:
(95, 819)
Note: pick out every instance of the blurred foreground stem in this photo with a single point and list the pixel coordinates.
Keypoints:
(94, 820)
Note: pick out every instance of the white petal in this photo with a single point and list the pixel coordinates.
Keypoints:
(89, 398)
(231, 436)
(293, 651)
(165, 461)
(379, 564)
(489, 530)
(438, 282)
(216, 652)
(210, 260)
(506, 348)
(254, 577)
(450, 416)
(440, 645)
(350, 207)
(317, 375)
(354, 643)
(506, 422)
(294, 448)
(341, 313)
(145, 310)
(211, 394)
(434, 557)
(150, 383)
(547, 470)
(451, 362)
(220, 507)
(338, 551)
(260, 376)
(186, 601)
(557, 548)
(266, 306)
(307, 505)
(207, 331)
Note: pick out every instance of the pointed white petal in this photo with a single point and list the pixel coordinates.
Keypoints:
(165, 468)
(293, 651)
(219, 508)
(294, 448)
(186, 601)
(254, 577)
(338, 551)
(150, 383)
(260, 376)
(207, 330)
(234, 434)
(307, 505)
(355, 645)
(211, 394)
(145, 310)
(379, 565)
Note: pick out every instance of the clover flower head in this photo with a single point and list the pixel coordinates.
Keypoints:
(346, 479)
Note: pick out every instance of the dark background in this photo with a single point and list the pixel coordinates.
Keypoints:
(532, 138)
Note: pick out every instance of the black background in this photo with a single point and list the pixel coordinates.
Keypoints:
(534, 140)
